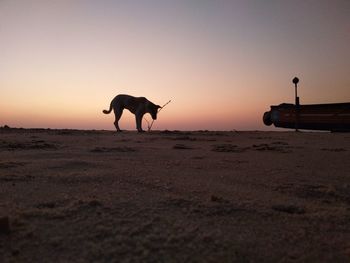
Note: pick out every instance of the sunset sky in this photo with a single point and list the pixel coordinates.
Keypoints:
(222, 63)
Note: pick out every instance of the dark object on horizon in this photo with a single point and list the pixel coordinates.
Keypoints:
(328, 117)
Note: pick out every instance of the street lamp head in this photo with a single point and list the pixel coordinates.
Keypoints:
(295, 80)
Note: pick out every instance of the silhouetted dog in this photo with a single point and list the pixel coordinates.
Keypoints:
(136, 105)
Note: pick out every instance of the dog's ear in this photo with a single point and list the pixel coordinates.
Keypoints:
(158, 106)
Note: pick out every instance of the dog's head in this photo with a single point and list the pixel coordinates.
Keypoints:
(154, 110)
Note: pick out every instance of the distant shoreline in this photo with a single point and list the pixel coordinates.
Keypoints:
(7, 128)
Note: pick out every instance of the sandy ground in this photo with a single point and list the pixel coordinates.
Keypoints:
(99, 196)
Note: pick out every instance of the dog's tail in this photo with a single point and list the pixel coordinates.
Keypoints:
(110, 109)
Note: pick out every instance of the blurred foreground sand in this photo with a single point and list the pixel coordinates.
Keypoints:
(101, 196)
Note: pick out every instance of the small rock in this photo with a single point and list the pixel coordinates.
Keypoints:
(181, 147)
(5, 225)
(218, 199)
(290, 209)
(94, 203)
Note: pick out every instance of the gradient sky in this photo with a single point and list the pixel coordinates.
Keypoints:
(222, 63)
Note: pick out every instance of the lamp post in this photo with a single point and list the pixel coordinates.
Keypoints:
(296, 81)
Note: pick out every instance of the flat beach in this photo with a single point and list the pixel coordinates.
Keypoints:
(170, 196)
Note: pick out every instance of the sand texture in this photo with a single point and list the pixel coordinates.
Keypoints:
(102, 196)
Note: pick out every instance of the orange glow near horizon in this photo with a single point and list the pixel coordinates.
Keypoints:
(222, 65)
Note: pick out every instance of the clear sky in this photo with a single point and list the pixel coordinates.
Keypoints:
(222, 63)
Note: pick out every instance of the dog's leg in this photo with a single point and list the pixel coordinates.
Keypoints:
(139, 122)
(118, 114)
